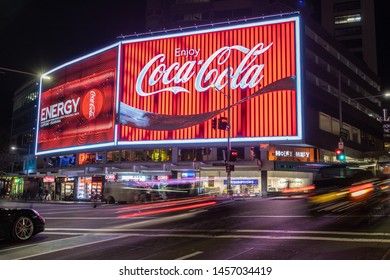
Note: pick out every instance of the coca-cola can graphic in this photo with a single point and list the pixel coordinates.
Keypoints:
(78, 113)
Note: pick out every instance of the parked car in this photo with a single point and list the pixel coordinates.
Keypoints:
(20, 224)
(343, 189)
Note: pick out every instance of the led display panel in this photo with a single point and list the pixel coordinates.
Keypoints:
(173, 86)
(77, 104)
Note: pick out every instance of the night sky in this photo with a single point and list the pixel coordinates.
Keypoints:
(38, 35)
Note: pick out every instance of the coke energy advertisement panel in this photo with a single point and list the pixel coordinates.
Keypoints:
(173, 86)
(77, 105)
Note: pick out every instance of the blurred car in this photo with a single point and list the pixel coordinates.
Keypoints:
(347, 189)
(20, 224)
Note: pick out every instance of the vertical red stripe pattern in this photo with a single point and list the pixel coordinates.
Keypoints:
(273, 114)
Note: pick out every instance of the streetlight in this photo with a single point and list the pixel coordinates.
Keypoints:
(28, 150)
(25, 73)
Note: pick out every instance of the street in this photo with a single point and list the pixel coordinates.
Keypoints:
(199, 229)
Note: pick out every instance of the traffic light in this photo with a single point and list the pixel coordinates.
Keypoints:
(223, 123)
(233, 155)
(229, 167)
(340, 155)
(214, 123)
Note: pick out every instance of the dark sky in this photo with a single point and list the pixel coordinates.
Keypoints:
(38, 35)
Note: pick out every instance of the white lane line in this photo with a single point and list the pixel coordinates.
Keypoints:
(85, 218)
(44, 248)
(213, 231)
(386, 256)
(190, 255)
(240, 253)
(242, 236)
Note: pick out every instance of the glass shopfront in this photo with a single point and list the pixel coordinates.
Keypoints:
(88, 186)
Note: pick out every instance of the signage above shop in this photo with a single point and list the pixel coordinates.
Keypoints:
(111, 177)
(282, 153)
(242, 182)
(132, 178)
(48, 179)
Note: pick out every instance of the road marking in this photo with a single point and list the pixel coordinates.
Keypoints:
(242, 236)
(213, 231)
(43, 248)
(240, 253)
(190, 255)
(386, 256)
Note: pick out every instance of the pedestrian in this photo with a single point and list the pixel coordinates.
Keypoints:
(94, 199)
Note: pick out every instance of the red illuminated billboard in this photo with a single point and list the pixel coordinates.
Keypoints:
(170, 89)
(173, 86)
(77, 105)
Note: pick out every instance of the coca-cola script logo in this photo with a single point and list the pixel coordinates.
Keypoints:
(248, 73)
(92, 103)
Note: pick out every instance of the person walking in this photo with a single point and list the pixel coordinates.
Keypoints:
(94, 199)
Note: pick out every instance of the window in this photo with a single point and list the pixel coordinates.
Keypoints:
(90, 158)
(325, 122)
(335, 126)
(346, 6)
(353, 43)
(355, 135)
(347, 19)
(113, 156)
(348, 31)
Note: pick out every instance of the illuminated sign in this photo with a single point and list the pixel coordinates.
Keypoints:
(188, 175)
(133, 178)
(283, 153)
(242, 182)
(173, 86)
(167, 89)
(48, 179)
(77, 105)
(110, 177)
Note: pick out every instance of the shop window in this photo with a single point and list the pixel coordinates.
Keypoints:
(90, 158)
(113, 156)
(156, 155)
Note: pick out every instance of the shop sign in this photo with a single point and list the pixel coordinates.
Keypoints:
(242, 182)
(291, 154)
(110, 177)
(97, 178)
(162, 177)
(187, 175)
(133, 178)
(48, 179)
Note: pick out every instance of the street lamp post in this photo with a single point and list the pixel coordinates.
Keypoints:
(228, 148)
(28, 150)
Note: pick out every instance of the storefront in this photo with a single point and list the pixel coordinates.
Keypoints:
(64, 188)
(88, 186)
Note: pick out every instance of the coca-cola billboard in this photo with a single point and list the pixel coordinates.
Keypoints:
(77, 105)
(172, 86)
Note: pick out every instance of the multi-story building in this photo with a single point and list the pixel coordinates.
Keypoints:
(144, 109)
(353, 24)
(22, 140)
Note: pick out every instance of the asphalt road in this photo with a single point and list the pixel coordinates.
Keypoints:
(206, 229)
